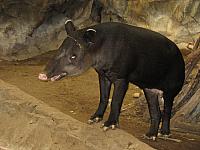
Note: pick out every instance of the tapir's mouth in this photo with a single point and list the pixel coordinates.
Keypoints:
(44, 77)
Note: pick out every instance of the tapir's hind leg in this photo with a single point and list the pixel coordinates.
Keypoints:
(166, 115)
(152, 96)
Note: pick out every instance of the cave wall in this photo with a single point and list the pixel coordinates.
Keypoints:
(32, 27)
(179, 20)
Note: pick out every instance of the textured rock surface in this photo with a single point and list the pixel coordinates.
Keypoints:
(188, 116)
(29, 28)
(29, 124)
(179, 20)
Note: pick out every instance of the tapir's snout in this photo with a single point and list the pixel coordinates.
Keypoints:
(43, 77)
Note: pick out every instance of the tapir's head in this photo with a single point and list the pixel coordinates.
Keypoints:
(74, 56)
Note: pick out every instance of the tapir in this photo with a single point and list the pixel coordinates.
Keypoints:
(123, 54)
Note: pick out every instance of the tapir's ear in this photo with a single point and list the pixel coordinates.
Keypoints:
(69, 27)
(90, 36)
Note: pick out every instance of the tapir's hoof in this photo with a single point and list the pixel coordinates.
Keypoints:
(106, 128)
(95, 120)
(164, 136)
(149, 137)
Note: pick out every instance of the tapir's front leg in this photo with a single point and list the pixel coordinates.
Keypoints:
(105, 86)
(120, 88)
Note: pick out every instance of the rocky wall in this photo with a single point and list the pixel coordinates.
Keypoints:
(33, 27)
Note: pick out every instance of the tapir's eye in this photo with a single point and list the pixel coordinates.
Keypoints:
(73, 57)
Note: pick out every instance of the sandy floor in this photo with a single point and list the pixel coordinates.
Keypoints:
(78, 97)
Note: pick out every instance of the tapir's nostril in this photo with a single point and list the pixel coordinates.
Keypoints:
(42, 76)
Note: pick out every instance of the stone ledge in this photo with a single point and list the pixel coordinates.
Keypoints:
(27, 123)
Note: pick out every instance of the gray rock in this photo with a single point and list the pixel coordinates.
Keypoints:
(179, 20)
(29, 28)
(27, 123)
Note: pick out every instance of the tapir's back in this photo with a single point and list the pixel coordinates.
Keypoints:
(148, 57)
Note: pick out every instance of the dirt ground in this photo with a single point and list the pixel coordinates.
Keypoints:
(78, 97)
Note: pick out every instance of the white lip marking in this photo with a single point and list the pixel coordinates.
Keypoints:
(69, 20)
(91, 30)
(57, 77)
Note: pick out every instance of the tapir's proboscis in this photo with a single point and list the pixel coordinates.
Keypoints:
(123, 54)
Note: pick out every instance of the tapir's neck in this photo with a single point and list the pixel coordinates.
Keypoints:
(99, 54)
(101, 61)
